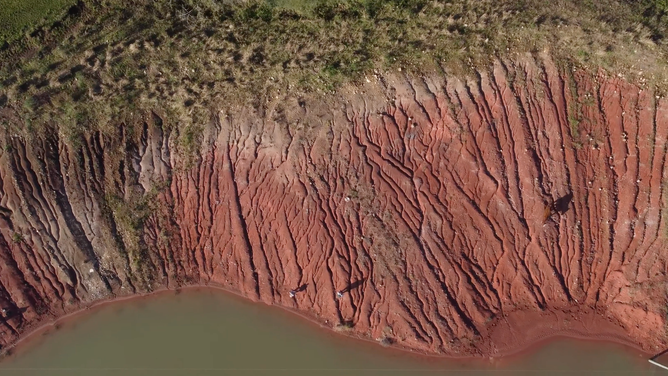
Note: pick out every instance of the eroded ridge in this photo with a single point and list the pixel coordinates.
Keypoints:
(424, 201)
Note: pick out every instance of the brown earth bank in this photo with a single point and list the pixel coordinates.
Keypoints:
(440, 207)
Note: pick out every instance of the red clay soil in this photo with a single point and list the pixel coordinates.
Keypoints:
(426, 197)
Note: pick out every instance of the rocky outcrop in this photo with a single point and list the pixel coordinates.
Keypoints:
(429, 202)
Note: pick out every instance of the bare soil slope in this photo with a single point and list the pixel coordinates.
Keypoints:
(424, 198)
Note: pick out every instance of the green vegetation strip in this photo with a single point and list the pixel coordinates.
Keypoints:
(112, 59)
(20, 16)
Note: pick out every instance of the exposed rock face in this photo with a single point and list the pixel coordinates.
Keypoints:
(427, 195)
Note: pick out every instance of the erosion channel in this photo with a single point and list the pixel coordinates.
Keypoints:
(459, 217)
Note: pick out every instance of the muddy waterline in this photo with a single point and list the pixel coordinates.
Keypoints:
(208, 332)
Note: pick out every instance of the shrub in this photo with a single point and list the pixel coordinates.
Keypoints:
(17, 237)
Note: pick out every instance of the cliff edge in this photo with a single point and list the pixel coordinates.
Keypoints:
(456, 217)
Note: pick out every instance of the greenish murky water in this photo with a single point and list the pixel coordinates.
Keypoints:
(211, 333)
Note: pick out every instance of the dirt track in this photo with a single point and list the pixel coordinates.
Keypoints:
(428, 195)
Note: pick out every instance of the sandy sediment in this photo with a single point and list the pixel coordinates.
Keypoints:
(431, 200)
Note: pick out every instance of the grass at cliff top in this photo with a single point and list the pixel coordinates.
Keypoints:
(23, 16)
(107, 59)
(19, 16)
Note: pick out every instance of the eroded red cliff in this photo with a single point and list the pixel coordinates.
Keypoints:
(428, 195)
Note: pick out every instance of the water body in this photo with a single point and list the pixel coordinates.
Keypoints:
(211, 333)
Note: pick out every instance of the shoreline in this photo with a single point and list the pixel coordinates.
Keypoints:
(526, 348)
